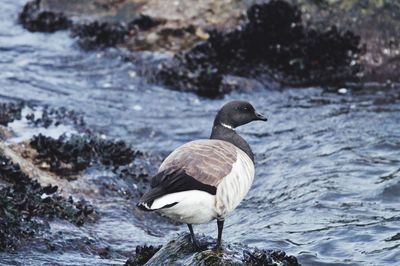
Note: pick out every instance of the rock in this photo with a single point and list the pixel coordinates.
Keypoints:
(377, 22)
(69, 155)
(142, 255)
(33, 18)
(109, 34)
(23, 200)
(5, 133)
(135, 24)
(9, 112)
(274, 42)
(54, 117)
(296, 43)
(29, 169)
(180, 251)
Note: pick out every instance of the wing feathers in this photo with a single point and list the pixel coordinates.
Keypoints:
(208, 161)
(172, 181)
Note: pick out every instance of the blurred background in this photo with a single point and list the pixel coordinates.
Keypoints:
(94, 94)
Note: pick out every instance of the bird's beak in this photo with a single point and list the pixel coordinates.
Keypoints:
(260, 117)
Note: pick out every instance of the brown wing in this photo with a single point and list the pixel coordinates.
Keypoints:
(207, 161)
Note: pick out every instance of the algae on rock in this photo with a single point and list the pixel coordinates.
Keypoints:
(180, 251)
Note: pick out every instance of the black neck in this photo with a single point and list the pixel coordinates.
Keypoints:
(225, 133)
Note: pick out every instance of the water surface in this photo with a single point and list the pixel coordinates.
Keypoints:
(327, 186)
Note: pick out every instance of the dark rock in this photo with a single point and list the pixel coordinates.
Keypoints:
(142, 255)
(23, 200)
(144, 22)
(100, 34)
(394, 238)
(33, 18)
(268, 257)
(55, 117)
(114, 152)
(105, 253)
(273, 42)
(64, 156)
(10, 112)
(109, 34)
(67, 156)
(180, 251)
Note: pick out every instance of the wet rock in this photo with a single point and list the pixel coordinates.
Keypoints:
(18, 154)
(180, 251)
(311, 48)
(10, 112)
(273, 43)
(5, 133)
(268, 257)
(69, 155)
(396, 237)
(34, 18)
(142, 255)
(63, 156)
(109, 34)
(54, 117)
(100, 35)
(136, 24)
(25, 206)
(376, 22)
(115, 153)
(144, 22)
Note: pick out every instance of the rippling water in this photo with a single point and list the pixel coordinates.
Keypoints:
(327, 186)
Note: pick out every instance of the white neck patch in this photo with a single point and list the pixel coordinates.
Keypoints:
(227, 126)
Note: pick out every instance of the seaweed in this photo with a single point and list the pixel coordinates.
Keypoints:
(91, 35)
(100, 34)
(143, 254)
(55, 116)
(10, 112)
(23, 200)
(69, 155)
(268, 258)
(109, 34)
(35, 20)
(63, 155)
(180, 251)
(273, 42)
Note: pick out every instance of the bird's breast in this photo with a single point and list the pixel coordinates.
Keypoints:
(234, 187)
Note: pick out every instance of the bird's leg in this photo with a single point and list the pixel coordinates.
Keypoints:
(220, 224)
(195, 243)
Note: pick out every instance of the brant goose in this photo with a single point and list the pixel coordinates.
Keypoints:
(206, 179)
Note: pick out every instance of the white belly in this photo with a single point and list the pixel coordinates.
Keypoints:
(234, 187)
(193, 207)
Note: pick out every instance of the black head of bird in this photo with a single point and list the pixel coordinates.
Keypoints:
(237, 113)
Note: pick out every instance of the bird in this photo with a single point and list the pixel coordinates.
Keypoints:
(206, 179)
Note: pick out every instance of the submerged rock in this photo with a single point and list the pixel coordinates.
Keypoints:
(142, 255)
(9, 112)
(54, 117)
(69, 155)
(180, 251)
(25, 206)
(274, 42)
(109, 34)
(98, 35)
(34, 18)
